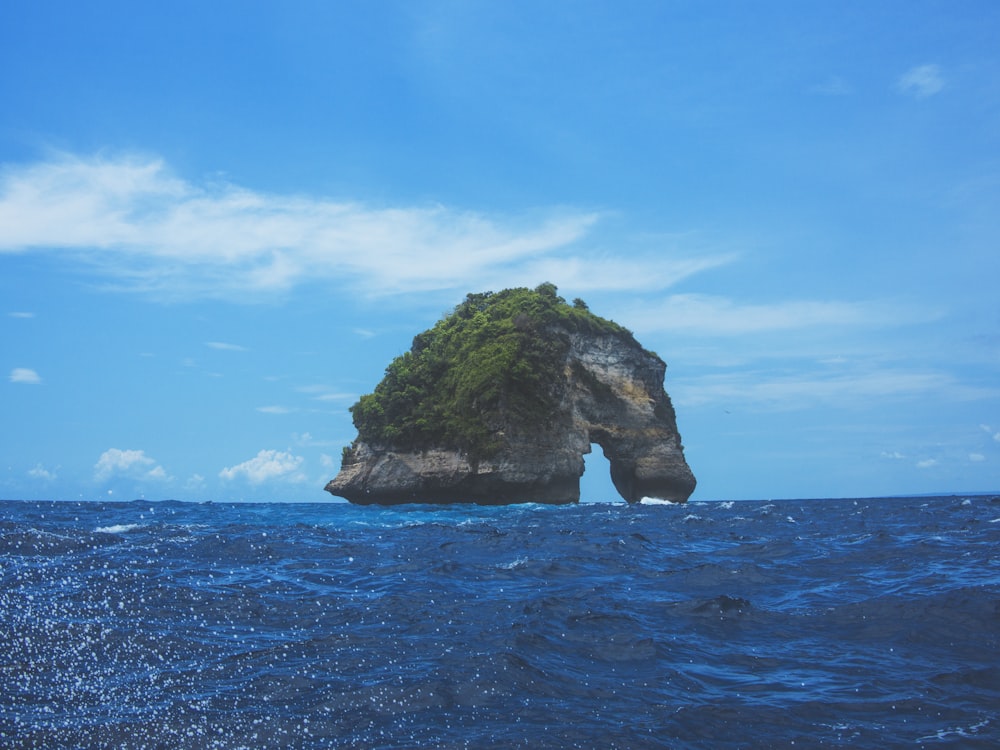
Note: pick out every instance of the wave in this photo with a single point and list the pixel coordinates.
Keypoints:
(118, 528)
(657, 501)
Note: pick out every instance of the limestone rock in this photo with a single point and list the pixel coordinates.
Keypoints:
(599, 386)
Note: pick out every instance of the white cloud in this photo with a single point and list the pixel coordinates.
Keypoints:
(976, 457)
(921, 81)
(133, 463)
(710, 315)
(157, 472)
(274, 409)
(306, 439)
(153, 232)
(24, 375)
(323, 393)
(24, 315)
(894, 455)
(40, 472)
(266, 465)
(989, 431)
(927, 463)
(221, 345)
(337, 397)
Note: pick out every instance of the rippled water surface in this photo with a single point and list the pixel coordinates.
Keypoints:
(827, 623)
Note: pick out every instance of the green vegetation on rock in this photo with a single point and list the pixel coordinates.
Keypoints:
(494, 364)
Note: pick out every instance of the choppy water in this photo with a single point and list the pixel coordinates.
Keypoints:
(823, 623)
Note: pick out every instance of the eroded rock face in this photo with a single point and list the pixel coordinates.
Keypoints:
(610, 392)
(616, 399)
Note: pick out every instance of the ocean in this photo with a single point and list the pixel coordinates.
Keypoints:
(815, 623)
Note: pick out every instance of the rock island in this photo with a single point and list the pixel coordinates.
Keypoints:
(501, 399)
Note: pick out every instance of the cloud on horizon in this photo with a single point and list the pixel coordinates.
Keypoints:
(132, 463)
(149, 231)
(267, 465)
(40, 472)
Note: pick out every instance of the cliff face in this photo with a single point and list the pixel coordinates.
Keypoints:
(599, 386)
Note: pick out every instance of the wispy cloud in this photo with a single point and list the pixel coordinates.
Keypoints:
(610, 273)
(23, 315)
(921, 81)
(833, 86)
(989, 431)
(267, 465)
(307, 440)
(24, 375)
(132, 463)
(326, 393)
(760, 391)
(274, 409)
(151, 231)
(222, 346)
(338, 397)
(710, 315)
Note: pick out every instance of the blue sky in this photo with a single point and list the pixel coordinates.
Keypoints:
(220, 221)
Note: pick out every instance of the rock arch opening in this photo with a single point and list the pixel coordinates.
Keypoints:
(595, 484)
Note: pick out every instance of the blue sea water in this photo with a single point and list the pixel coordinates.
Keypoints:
(821, 623)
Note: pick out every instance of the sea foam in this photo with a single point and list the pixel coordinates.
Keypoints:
(118, 528)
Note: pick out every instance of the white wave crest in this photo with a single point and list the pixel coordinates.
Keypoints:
(118, 528)
(656, 501)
